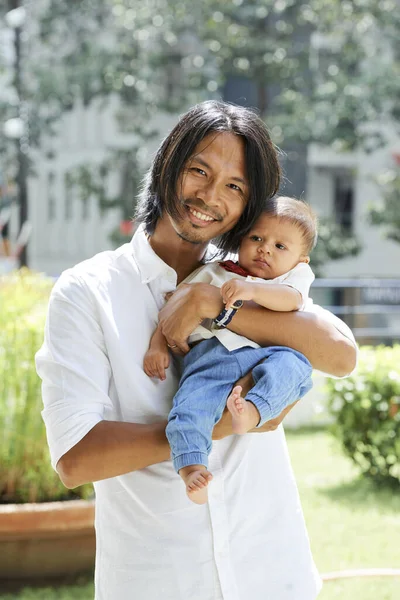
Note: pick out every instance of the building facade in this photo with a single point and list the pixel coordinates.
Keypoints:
(67, 230)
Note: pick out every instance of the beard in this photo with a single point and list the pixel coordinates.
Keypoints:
(185, 229)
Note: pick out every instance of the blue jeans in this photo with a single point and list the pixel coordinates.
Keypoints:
(209, 372)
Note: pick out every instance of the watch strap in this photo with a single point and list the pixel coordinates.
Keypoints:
(225, 317)
(227, 314)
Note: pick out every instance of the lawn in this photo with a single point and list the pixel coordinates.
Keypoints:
(351, 525)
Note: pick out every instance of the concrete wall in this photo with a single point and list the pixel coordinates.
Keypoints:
(63, 236)
(379, 257)
(310, 410)
(64, 233)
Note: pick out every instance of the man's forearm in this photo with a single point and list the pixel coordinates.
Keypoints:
(324, 345)
(111, 449)
(320, 341)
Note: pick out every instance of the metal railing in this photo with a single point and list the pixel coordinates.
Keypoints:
(371, 307)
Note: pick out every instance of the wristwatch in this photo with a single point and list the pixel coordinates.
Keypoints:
(227, 314)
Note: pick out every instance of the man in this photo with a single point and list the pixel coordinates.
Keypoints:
(106, 419)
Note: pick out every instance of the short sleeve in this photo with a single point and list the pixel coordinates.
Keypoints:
(300, 278)
(73, 366)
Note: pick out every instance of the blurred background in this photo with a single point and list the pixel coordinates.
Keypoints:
(87, 91)
(90, 88)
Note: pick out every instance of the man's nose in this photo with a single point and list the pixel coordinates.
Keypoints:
(209, 194)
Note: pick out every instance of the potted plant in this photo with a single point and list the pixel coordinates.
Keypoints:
(45, 529)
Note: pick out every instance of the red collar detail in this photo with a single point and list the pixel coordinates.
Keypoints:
(233, 267)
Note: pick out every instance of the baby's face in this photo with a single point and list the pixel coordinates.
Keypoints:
(271, 248)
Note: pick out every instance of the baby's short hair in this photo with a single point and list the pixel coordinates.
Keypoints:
(297, 212)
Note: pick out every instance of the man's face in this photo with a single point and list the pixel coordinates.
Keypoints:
(272, 247)
(212, 189)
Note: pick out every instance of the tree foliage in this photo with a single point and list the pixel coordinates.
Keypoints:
(351, 95)
(387, 212)
(334, 243)
(325, 70)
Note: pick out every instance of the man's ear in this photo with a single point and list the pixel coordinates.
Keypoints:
(305, 259)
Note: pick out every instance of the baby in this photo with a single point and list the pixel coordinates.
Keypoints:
(272, 271)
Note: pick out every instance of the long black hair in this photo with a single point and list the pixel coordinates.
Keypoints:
(261, 159)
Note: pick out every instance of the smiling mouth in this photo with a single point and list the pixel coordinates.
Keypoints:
(198, 217)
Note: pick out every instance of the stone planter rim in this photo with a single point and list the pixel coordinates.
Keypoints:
(45, 517)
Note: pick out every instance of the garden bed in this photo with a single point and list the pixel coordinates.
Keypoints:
(351, 523)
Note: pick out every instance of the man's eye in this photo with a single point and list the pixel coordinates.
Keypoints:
(199, 171)
(233, 186)
(280, 246)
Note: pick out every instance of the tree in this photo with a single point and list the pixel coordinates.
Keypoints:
(334, 243)
(141, 59)
(350, 99)
(162, 55)
(387, 213)
(326, 71)
(263, 41)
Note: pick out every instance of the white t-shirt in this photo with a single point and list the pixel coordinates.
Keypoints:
(300, 278)
(153, 543)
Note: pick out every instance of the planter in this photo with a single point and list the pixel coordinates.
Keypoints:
(46, 540)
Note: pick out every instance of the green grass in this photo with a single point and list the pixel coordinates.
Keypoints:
(351, 525)
(82, 589)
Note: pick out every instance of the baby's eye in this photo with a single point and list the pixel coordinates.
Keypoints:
(255, 238)
(280, 246)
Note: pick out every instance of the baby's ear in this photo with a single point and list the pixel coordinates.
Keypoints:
(305, 259)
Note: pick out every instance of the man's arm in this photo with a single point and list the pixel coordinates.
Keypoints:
(319, 340)
(107, 448)
(114, 448)
(85, 446)
(111, 449)
(326, 348)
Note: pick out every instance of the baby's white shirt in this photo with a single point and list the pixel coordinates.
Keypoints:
(300, 278)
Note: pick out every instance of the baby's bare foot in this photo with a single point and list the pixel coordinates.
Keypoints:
(245, 415)
(196, 478)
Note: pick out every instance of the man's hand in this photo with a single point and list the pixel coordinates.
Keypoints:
(224, 426)
(185, 310)
(236, 289)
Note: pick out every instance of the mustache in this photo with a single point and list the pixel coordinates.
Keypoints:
(197, 204)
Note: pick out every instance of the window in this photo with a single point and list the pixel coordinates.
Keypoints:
(344, 200)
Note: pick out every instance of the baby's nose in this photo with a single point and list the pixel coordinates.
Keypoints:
(265, 249)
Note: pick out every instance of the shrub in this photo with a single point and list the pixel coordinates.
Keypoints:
(25, 471)
(366, 408)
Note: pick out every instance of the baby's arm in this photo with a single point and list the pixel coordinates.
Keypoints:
(156, 359)
(275, 296)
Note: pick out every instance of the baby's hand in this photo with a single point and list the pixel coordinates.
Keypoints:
(155, 362)
(236, 289)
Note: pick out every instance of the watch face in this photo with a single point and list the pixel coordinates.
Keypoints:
(237, 304)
